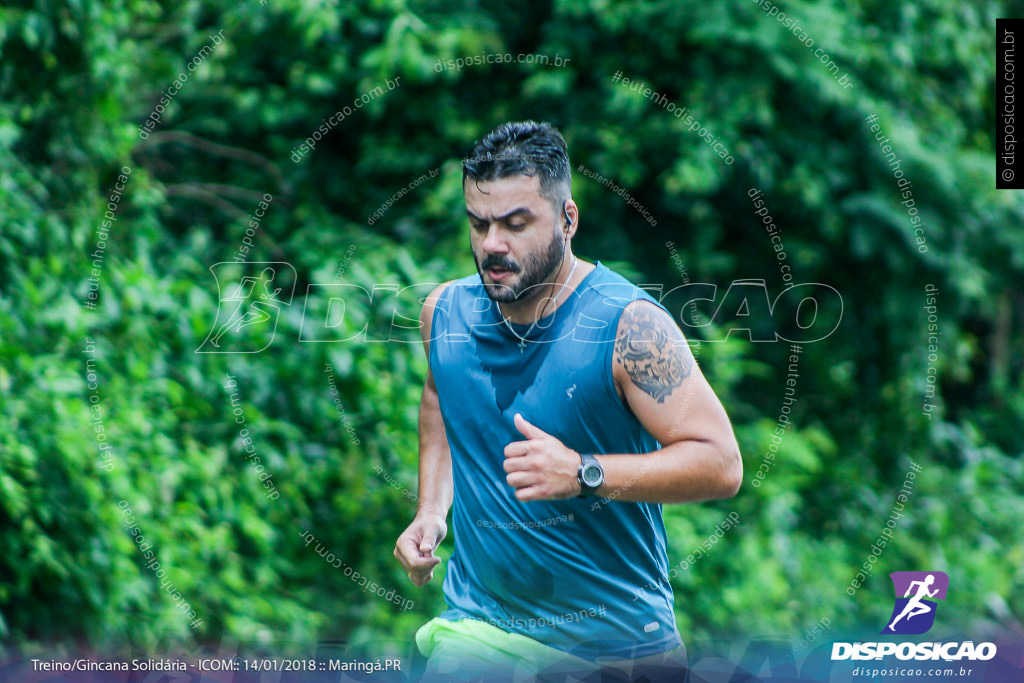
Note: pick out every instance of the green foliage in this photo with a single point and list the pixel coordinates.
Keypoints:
(77, 80)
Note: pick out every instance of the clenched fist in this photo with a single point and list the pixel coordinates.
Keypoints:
(541, 467)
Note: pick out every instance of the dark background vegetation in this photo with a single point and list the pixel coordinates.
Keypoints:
(78, 78)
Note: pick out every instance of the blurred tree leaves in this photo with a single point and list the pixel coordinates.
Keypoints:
(76, 81)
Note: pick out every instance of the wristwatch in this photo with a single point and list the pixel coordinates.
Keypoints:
(590, 474)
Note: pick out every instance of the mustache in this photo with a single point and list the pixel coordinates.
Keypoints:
(494, 261)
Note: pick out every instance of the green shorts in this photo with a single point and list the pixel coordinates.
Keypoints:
(473, 650)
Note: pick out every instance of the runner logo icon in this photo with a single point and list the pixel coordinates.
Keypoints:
(916, 593)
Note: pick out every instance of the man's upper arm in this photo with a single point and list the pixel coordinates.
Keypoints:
(427, 320)
(659, 379)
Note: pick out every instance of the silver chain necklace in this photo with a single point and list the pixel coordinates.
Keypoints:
(508, 323)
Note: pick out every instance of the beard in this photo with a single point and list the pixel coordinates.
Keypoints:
(535, 270)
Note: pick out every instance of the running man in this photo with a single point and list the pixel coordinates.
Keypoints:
(249, 311)
(914, 606)
(552, 380)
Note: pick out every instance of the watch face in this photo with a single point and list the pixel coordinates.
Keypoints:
(592, 475)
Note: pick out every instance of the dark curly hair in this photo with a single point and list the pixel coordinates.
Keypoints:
(523, 148)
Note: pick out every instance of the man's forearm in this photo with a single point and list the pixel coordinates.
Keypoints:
(436, 494)
(685, 471)
(436, 487)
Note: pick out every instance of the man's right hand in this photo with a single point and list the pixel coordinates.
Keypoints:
(415, 547)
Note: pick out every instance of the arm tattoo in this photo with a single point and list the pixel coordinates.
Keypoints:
(652, 351)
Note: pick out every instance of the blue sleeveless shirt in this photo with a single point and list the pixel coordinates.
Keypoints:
(567, 573)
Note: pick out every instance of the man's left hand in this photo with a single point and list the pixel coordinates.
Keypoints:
(541, 468)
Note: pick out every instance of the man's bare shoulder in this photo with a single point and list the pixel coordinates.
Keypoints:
(427, 311)
(650, 350)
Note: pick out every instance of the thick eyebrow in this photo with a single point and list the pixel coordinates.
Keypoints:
(521, 211)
